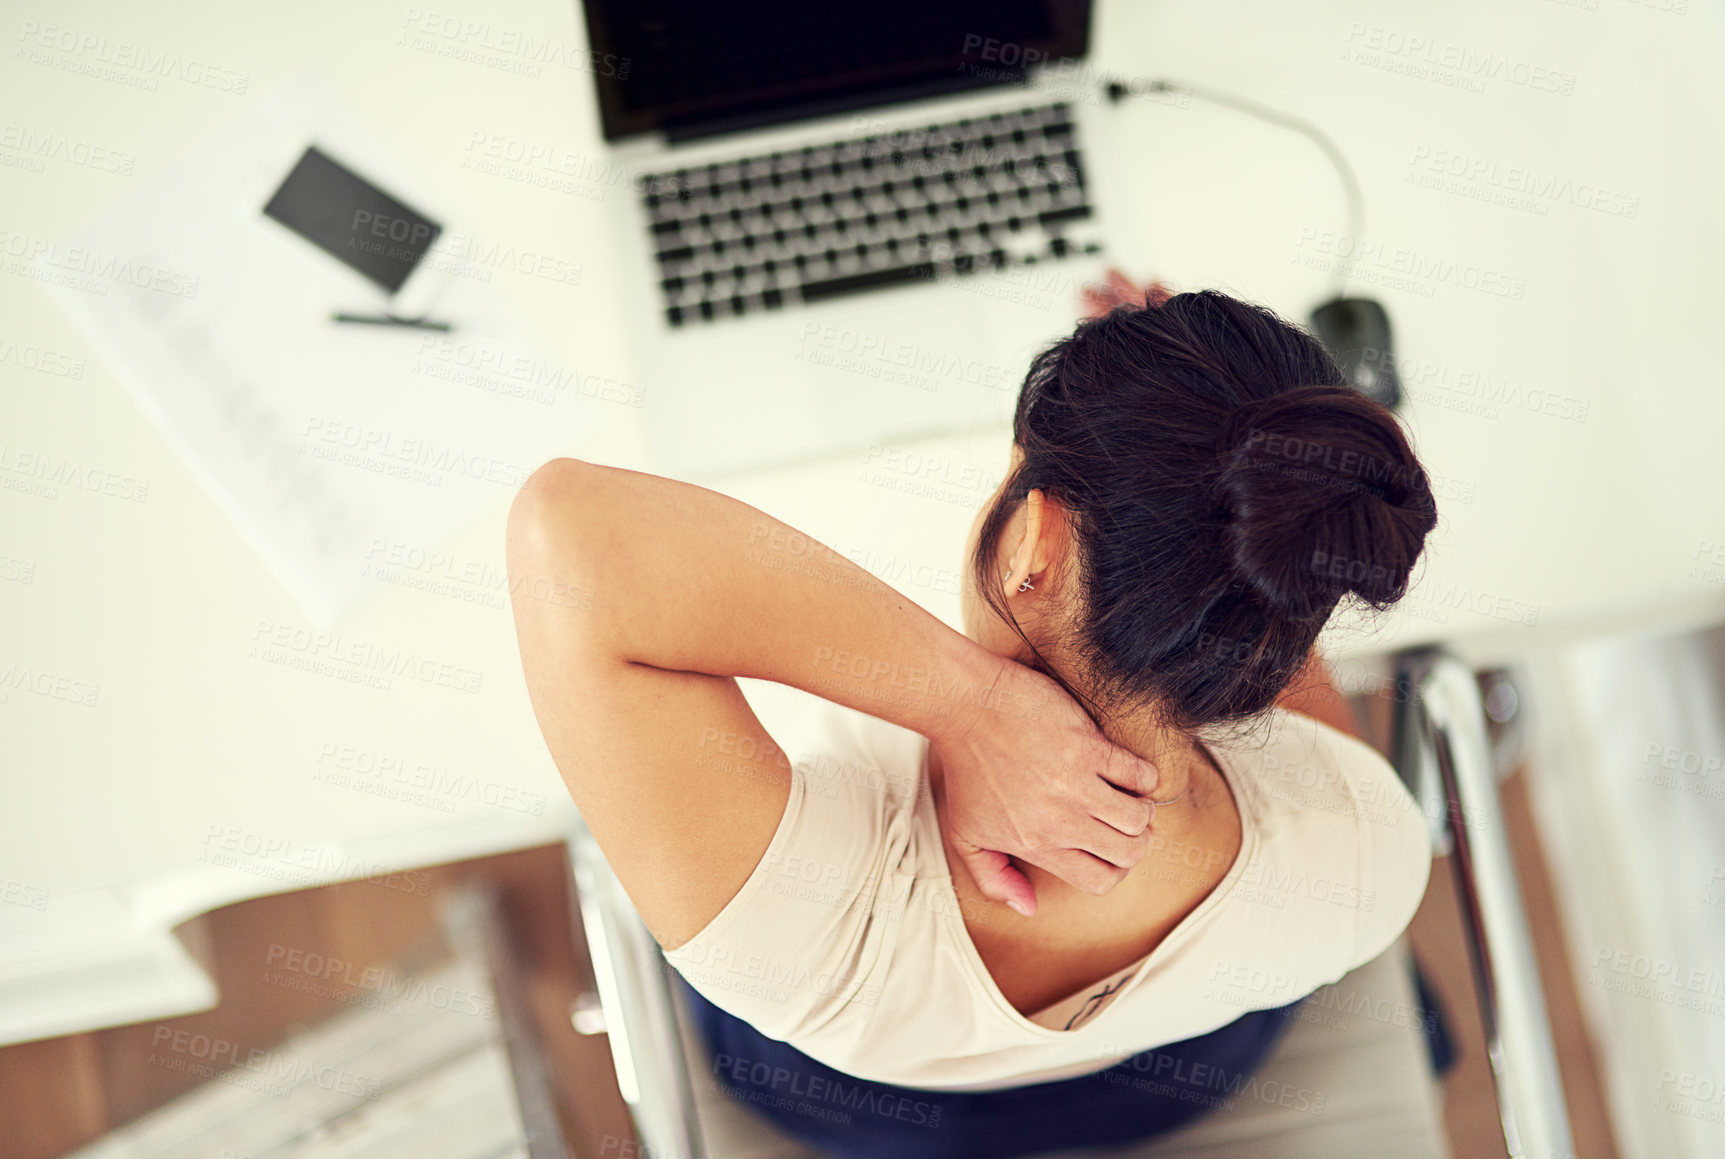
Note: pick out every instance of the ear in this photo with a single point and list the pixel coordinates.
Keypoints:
(1029, 532)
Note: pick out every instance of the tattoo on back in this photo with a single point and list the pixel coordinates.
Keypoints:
(1094, 1003)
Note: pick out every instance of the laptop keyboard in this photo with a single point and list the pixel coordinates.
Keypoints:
(865, 213)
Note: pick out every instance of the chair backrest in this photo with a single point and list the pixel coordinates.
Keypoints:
(636, 1002)
(1443, 752)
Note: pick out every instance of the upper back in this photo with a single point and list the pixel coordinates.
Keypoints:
(1078, 941)
(849, 941)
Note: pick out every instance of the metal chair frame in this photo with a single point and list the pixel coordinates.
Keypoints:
(1443, 751)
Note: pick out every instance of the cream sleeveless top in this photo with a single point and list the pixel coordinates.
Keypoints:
(846, 941)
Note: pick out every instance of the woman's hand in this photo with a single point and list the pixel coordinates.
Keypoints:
(1117, 291)
(1028, 775)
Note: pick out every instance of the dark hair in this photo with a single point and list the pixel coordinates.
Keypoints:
(1226, 489)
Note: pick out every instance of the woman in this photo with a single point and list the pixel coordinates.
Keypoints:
(1193, 491)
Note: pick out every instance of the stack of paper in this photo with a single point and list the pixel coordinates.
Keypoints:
(315, 437)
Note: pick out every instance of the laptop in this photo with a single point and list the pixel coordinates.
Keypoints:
(846, 226)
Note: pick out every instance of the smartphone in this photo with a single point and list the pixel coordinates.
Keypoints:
(375, 234)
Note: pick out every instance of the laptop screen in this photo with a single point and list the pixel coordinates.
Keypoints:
(691, 68)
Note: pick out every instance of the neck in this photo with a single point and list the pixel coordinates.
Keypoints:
(1178, 758)
(1185, 776)
(1185, 780)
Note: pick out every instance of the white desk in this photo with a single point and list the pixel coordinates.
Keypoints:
(119, 813)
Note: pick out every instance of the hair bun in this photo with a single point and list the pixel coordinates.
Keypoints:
(1322, 497)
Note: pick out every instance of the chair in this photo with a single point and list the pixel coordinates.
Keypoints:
(1349, 1077)
(1355, 1057)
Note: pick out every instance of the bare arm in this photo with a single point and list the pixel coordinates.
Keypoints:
(638, 601)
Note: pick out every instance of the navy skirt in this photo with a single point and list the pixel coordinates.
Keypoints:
(1149, 1094)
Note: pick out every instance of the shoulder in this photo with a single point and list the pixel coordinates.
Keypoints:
(802, 939)
(860, 778)
(1344, 819)
(855, 750)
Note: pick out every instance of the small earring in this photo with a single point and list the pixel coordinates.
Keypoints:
(1026, 586)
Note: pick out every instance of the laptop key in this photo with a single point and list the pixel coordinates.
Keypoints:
(873, 280)
(1069, 213)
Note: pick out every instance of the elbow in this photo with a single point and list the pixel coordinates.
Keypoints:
(554, 480)
(547, 497)
(544, 516)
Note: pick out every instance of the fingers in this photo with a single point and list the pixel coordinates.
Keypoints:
(1121, 850)
(999, 881)
(1129, 772)
(1117, 291)
(1118, 808)
(1096, 303)
(1082, 871)
(996, 878)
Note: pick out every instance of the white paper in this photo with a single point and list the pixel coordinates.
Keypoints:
(317, 438)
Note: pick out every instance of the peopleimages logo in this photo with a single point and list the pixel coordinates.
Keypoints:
(923, 681)
(278, 1072)
(1181, 1079)
(123, 61)
(818, 1096)
(426, 459)
(274, 643)
(379, 980)
(461, 38)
